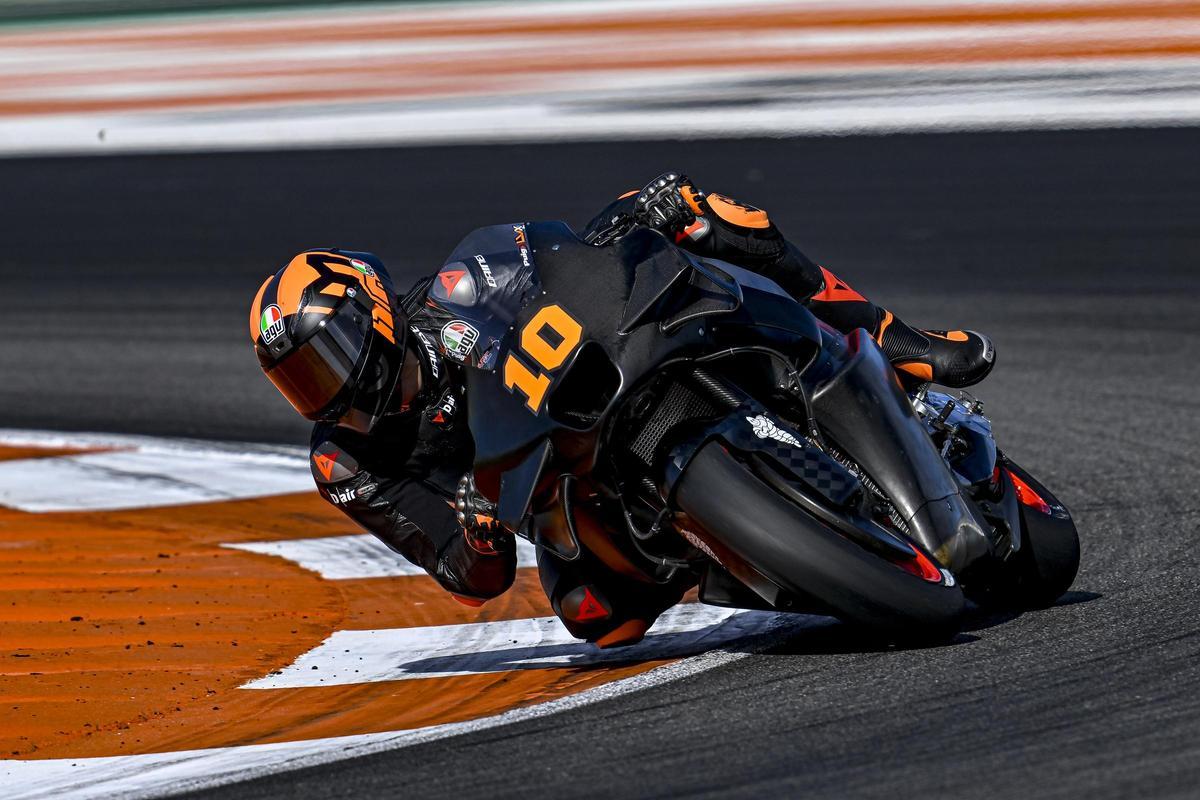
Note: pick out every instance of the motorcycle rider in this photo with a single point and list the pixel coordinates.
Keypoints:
(387, 449)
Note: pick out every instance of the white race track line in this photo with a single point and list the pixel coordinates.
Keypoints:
(340, 558)
(162, 472)
(144, 472)
(442, 651)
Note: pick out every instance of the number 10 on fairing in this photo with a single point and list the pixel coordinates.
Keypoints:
(548, 339)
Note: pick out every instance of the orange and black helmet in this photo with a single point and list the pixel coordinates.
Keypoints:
(330, 334)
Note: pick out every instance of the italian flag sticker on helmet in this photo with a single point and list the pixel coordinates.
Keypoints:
(270, 324)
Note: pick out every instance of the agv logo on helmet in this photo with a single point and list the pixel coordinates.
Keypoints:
(330, 336)
(270, 323)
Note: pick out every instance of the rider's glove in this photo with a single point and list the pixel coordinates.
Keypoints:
(477, 516)
(663, 203)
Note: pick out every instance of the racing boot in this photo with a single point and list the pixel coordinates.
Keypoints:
(952, 358)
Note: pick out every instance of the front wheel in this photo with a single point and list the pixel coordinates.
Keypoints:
(785, 544)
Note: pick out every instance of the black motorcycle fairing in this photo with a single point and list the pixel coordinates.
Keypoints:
(593, 286)
(663, 276)
(476, 295)
(518, 484)
(686, 289)
(798, 469)
(863, 408)
(589, 285)
(752, 429)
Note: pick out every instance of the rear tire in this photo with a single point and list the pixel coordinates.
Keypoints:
(801, 555)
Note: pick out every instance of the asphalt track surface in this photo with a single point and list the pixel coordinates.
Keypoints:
(126, 283)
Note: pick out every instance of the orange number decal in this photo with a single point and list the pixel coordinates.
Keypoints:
(548, 352)
(532, 385)
(567, 330)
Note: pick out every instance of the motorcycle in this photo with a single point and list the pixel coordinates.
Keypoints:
(668, 413)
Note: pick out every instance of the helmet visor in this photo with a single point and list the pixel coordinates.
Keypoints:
(313, 375)
(376, 383)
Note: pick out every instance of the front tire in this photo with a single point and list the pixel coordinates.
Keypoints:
(801, 555)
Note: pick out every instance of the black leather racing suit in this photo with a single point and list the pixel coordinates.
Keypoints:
(398, 482)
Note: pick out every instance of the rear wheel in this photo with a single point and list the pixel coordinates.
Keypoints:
(801, 555)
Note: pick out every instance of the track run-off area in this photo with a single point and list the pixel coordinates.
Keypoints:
(128, 279)
(171, 601)
(432, 73)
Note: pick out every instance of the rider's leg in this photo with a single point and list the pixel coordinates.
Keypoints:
(742, 234)
(951, 358)
(600, 605)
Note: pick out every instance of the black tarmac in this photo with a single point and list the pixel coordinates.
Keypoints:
(127, 282)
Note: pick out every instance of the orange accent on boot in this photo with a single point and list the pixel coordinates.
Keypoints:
(888, 319)
(949, 336)
(837, 291)
(916, 369)
(738, 213)
(630, 193)
(473, 602)
(693, 199)
(628, 632)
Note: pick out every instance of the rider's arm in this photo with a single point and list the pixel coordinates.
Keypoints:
(409, 513)
(715, 226)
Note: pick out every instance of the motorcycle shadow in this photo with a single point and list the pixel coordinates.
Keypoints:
(745, 631)
(837, 638)
(979, 619)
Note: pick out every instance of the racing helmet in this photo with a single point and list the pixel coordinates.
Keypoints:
(329, 332)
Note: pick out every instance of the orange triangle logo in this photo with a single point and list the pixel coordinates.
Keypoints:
(837, 291)
(325, 464)
(590, 608)
(450, 279)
